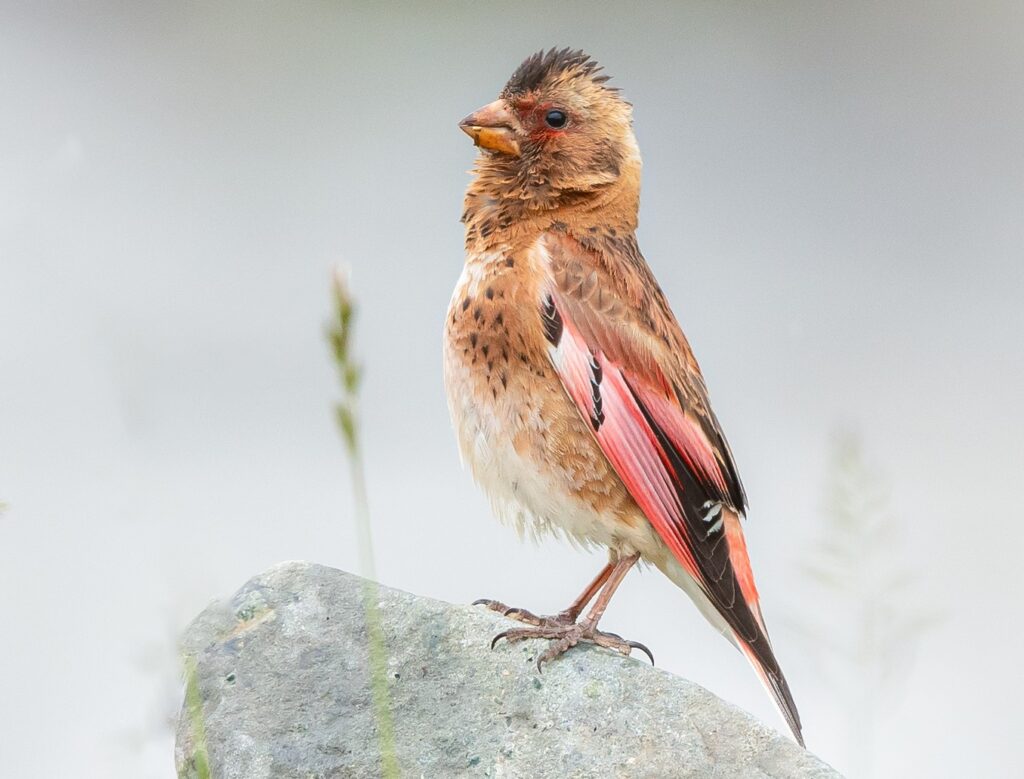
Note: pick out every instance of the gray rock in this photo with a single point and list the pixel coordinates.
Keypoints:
(280, 686)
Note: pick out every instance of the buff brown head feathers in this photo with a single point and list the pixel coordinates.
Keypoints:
(556, 134)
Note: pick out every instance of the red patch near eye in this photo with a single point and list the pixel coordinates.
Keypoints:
(540, 121)
(524, 106)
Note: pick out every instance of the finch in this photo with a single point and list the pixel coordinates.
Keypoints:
(575, 397)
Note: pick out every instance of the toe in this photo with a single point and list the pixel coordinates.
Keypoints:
(493, 605)
(556, 649)
(522, 615)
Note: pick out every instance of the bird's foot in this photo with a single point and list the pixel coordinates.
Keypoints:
(566, 635)
(522, 615)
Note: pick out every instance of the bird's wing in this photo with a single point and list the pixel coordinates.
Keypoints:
(627, 367)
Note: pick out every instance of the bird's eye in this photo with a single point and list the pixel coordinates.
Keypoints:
(556, 119)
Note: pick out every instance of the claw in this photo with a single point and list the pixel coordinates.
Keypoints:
(547, 656)
(642, 648)
(481, 602)
(497, 638)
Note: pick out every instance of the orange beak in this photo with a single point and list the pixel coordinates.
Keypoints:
(492, 127)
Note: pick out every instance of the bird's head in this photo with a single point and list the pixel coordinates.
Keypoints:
(556, 132)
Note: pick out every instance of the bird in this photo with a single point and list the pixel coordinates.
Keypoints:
(577, 402)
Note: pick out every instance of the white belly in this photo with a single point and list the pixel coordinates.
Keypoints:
(537, 498)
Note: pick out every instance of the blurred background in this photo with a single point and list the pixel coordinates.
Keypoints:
(833, 201)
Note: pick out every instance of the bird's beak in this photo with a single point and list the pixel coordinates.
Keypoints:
(492, 127)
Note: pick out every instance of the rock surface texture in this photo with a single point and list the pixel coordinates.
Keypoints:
(281, 686)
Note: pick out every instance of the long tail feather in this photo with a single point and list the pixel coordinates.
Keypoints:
(774, 682)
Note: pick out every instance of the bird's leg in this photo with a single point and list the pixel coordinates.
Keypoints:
(576, 607)
(567, 634)
(565, 617)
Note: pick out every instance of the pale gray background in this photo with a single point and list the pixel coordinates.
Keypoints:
(833, 201)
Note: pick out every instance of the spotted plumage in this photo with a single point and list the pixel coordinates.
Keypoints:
(576, 399)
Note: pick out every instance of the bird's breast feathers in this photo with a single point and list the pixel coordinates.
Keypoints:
(517, 430)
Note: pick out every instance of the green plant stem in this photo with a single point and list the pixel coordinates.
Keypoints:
(197, 724)
(374, 629)
(346, 416)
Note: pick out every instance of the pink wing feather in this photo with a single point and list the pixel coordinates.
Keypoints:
(684, 483)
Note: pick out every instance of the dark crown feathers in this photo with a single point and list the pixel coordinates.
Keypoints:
(539, 67)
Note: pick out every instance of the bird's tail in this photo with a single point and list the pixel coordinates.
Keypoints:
(758, 652)
(768, 671)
